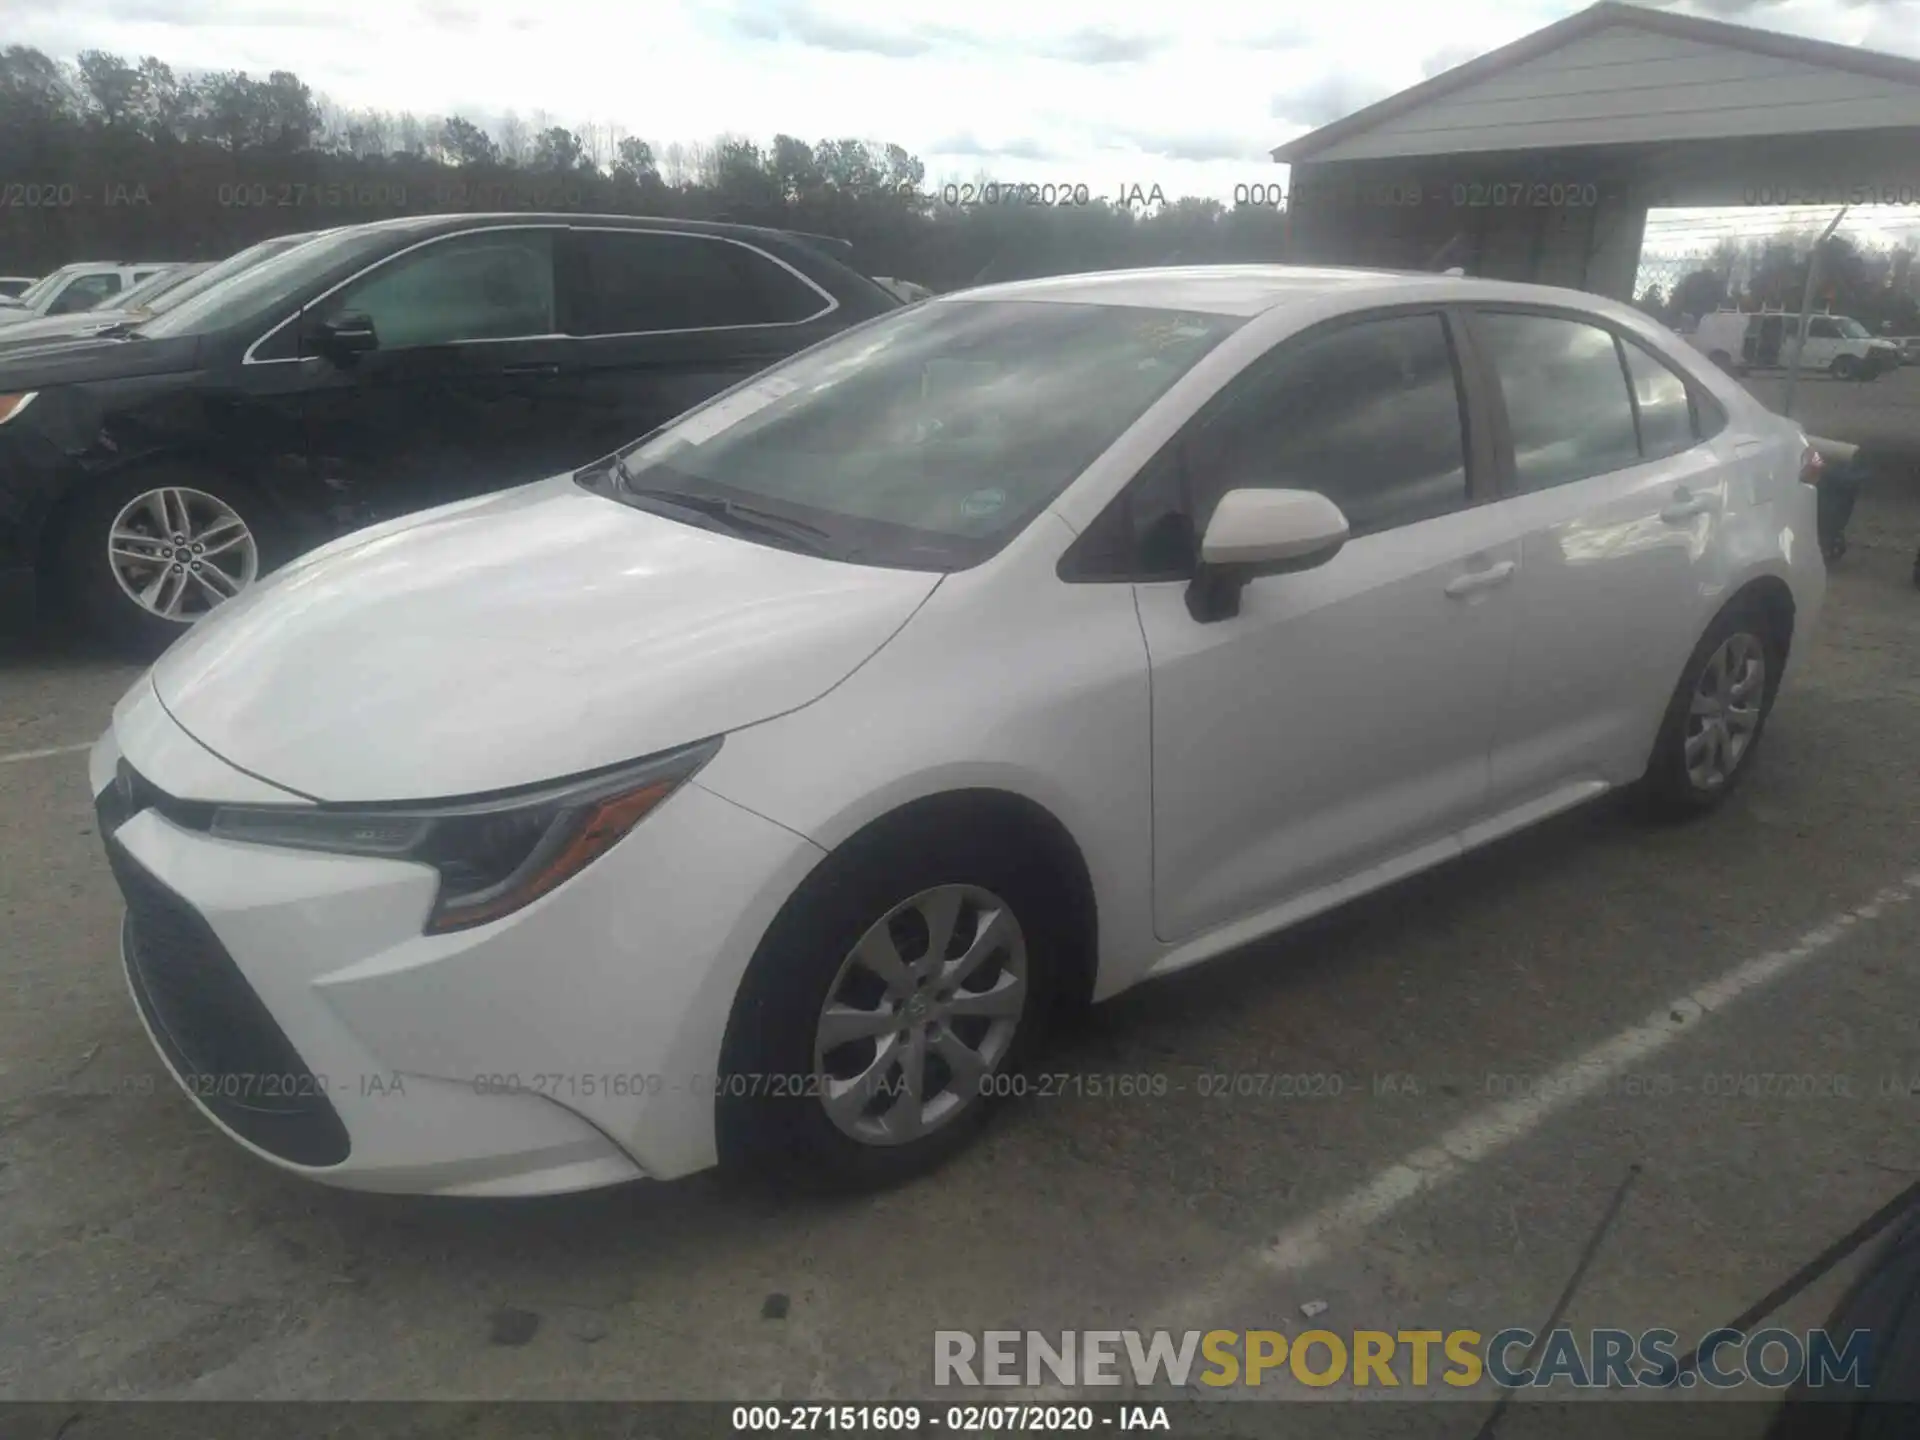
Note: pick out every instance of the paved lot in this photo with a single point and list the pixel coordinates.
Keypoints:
(143, 1255)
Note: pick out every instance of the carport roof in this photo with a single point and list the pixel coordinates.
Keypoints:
(1396, 111)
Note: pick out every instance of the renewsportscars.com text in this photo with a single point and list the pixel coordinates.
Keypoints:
(1513, 1358)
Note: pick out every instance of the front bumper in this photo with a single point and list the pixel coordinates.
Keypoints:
(295, 999)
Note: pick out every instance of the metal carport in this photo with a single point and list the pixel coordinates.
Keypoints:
(1540, 160)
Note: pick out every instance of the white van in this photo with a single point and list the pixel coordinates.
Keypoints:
(1740, 340)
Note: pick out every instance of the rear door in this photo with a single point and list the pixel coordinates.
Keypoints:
(665, 319)
(464, 393)
(1615, 491)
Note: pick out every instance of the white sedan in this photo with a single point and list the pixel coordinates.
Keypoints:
(755, 794)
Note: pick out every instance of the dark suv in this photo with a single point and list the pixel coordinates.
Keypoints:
(150, 472)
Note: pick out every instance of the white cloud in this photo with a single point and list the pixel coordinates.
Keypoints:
(1113, 94)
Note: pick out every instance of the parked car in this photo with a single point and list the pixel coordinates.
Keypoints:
(156, 297)
(73, 288)
(906, 291)
(13, 285)
(1909, 347)
(758, 792)
(145, 476)
(1759, 340)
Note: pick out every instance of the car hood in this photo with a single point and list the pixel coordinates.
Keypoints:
(68, 359)
(37, 330)
(517, 638)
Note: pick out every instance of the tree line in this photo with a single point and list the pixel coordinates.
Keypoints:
(104, 158)
(1873, 286)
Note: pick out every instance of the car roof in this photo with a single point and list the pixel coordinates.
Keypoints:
(467, 220)
(1247, 290)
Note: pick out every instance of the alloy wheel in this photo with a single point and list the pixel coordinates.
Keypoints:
(920, 1015)
(1725, 711)
(178, 552)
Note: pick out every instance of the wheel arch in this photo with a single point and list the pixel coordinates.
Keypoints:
(1002, 810)
(67, 502)
(1773, 598)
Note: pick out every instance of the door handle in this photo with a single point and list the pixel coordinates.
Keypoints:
(1481, 579)
(546, 370)
(1686, 505)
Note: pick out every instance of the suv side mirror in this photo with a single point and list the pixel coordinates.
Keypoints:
(344, 336)
(1261, 532)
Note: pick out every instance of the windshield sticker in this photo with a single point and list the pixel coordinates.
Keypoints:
(982, 503)
(723, 415)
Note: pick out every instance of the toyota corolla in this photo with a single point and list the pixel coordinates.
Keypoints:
(755, 794)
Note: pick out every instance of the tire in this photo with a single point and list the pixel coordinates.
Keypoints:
(772, 1114)
(100, 594)
(1669, 790)
(1844, 367)
(1723, 360)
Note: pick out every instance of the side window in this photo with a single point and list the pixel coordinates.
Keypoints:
(84, 294)
(1567, 401)
(1819, 327)
(495, 285)
(1660, 396)
(635, 281)
(1367, 414)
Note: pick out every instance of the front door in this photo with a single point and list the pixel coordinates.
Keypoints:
(1342, 719)
(465, 390)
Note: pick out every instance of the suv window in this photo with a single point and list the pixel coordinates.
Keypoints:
(1660, 400)
(85, 293)
(1568, 407)
(1821, 328)
(639, 280)
(493, 285)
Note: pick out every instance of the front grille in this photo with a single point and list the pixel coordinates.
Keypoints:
(215, 1031)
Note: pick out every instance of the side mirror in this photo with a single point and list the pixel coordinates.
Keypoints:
(343, 337)
(1261, 532)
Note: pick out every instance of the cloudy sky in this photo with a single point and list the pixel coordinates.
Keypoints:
(1188, 96)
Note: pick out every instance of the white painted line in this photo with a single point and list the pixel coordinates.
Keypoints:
(1309, 1241)
(44, 754)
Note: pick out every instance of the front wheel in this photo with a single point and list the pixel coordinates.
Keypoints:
(1844, 367)
(1713, 722)
(145, 555)
(889, 1006)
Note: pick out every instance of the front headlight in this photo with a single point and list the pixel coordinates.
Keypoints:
(494, 855)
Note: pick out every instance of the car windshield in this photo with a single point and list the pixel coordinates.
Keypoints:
(42, 287)
(927, 439)
(1853, 329)
(261, 283)
(181, 291)
(155, 285)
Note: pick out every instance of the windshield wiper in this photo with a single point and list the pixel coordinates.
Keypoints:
(738, 516)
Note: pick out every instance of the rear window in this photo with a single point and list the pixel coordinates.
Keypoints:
(634, 281)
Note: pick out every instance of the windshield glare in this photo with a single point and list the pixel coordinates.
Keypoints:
(1853, 330)
(260, 284)
(929, 438)
(175, 295)
(41, 287)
